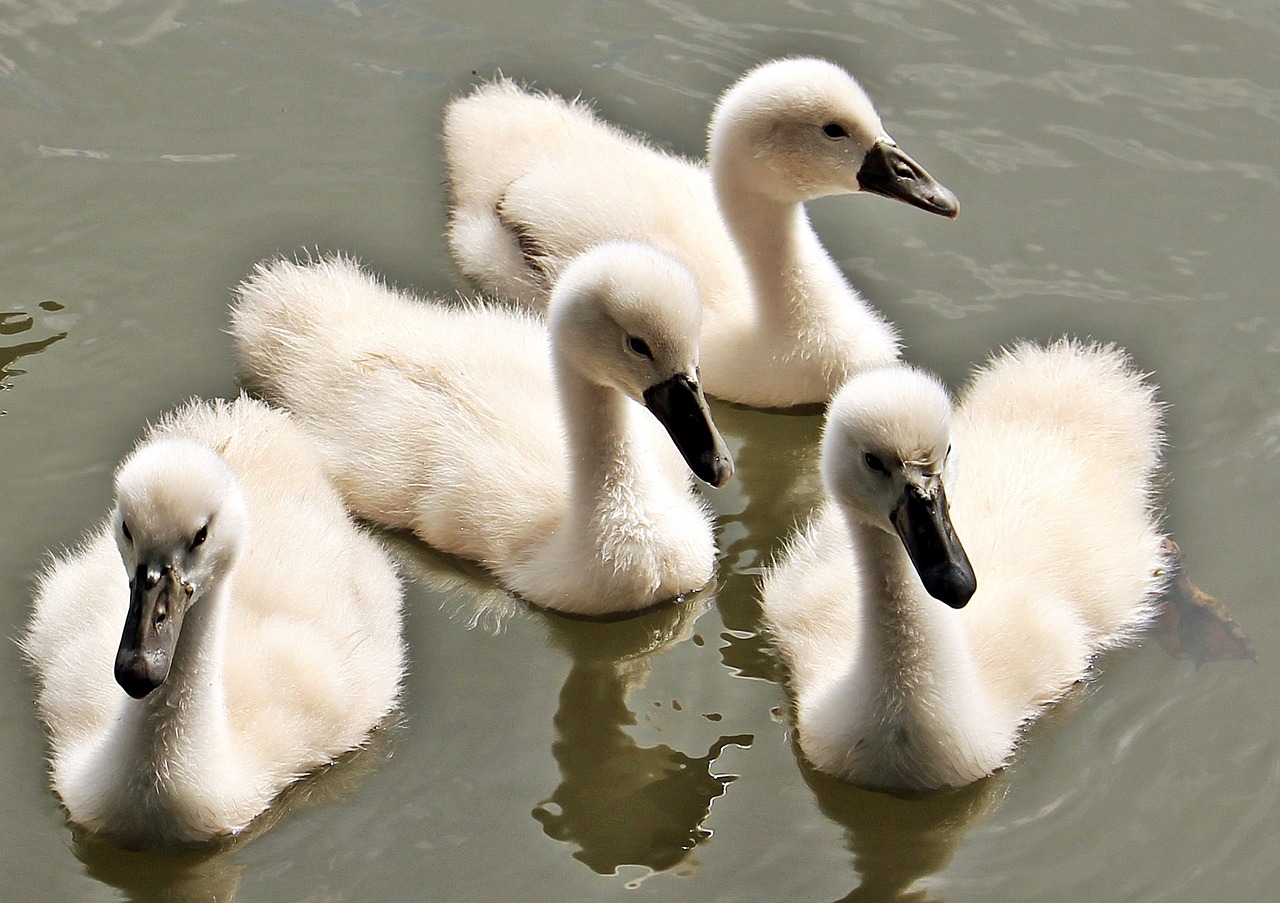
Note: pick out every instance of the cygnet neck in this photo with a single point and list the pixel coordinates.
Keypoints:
(928, 717)
(797, 290)
(905, 630)
(771, 235)
(188, 712)
(602, 451)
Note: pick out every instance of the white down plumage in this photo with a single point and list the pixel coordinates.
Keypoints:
(535, 180)
(1047, 468)
(256, 628)
(533, 448)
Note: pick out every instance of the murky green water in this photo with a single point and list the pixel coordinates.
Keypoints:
(1116, 164)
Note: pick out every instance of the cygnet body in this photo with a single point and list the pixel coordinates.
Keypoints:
(556, 454)
(535, 180)
(1027, 510)
(226, 631)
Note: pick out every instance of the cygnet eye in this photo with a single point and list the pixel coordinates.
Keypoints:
(201, 535)
(835, 130)
(874, 463)
(124, 528)
(639, 346)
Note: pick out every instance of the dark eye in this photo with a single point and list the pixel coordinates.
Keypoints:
(948, 454)
(835, 130)
(875, 464)
(639, 346)
(201, 535)
(124, 528)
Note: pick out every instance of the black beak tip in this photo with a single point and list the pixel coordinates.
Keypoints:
(137, 688)
(945, 203)
(716, 469)
(955, 588)
(135, 679)
(679, 405)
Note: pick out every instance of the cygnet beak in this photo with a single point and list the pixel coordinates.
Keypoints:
(924, 526)
(680, 406)
(887, 171)
(158, 600)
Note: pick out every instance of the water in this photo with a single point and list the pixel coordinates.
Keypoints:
(1115, 164)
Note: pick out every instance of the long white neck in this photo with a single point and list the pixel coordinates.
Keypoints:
(189, 710)
(151, 776)
(775, 241)
(922, 706)
(607, 463)
(791, 274)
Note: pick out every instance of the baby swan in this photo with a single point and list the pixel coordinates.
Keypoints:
(1052, 496)
(254, 628)
(536, 179)
(523, 445)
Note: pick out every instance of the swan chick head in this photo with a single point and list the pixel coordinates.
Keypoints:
(802, 128)
(626, 316)
(886, 460)
(179, 523)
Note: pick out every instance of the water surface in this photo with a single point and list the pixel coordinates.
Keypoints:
(1116, 168)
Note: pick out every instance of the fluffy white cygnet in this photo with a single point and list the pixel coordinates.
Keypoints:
(969, 563)
(535, 180)
(557, 454)
(225, 632)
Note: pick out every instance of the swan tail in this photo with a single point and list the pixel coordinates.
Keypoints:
(498, 256)
(493, 137)
(1089, 393)
(289, 319)
(1084, 429)
(499, 131)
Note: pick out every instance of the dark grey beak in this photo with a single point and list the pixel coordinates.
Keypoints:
(886, 170)
(680, 406)
(924, 525)
(157, 603)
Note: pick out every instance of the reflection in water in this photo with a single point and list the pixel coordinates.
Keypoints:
(470, 595)
(776, 459)
(16, 323)
(618, 802)
(621, 803)
(897, 842)
(144, 877)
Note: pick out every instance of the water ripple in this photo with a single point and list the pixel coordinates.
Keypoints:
(1263, 16)
(44, 150)
(138, 22)
(1015, 280)
(127, 156)
(1130, 150)
(977, 148)
(950, 81)
(198, 158)
(717, 43)
(1089, 82)
(877, 14)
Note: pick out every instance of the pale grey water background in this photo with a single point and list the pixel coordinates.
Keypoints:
(1116, 164)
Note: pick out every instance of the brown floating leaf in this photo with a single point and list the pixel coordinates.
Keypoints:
(1191, 623)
